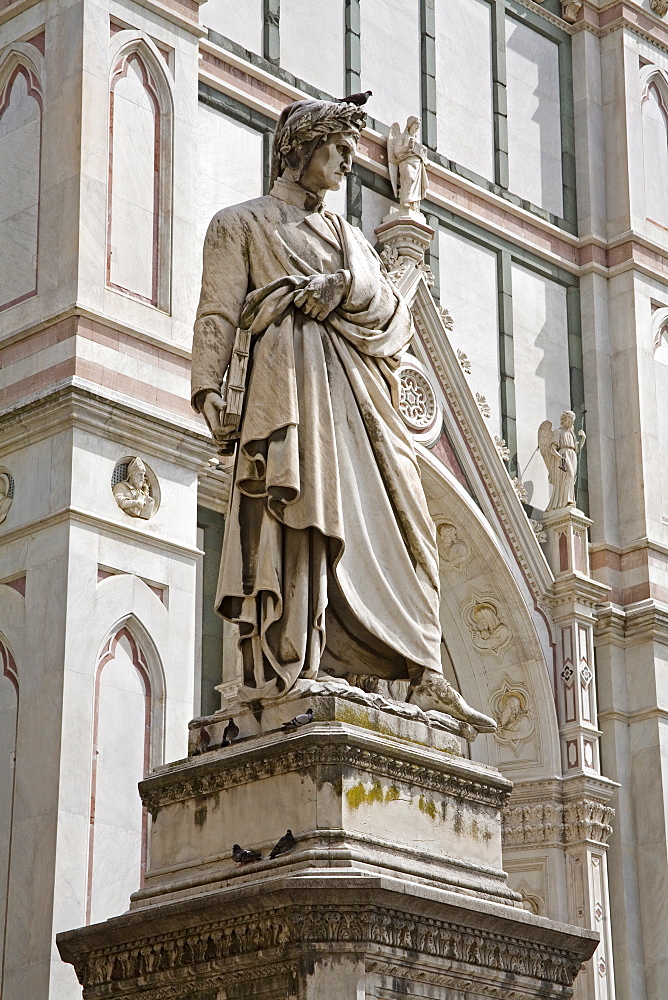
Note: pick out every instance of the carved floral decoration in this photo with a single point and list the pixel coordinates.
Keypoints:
(417, 399)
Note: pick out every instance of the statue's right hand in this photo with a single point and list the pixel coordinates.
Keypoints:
(211, 410)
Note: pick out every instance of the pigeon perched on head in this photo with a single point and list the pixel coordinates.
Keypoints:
(285, 844)
(243, 855)
(230, 733)
(203, 740)
(300, 720)
(358, 99)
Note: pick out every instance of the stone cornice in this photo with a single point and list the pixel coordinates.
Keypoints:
(75, 403)
(603, 18)
(645, 622)
(188, 943)
(345, 746)
(578, 589)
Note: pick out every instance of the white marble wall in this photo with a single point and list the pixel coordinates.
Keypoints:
(391, 58)
(229, 165)
(542, 387)
(469, 293)
(464, 84)
(534, 127)
(308, 29)
(133, 245)
(661, 376)
(19, 191)
(242, 22)
(374, 208)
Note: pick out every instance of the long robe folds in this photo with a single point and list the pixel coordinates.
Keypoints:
(329, 556)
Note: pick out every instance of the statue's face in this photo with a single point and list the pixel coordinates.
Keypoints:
(414, 126)
(136, 478)
(329, 164)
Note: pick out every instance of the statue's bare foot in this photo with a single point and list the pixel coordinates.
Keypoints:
(435, 694)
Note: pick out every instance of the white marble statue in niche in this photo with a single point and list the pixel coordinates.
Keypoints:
(133, 494)
(329, 562)
(406, 158)
(560, 449)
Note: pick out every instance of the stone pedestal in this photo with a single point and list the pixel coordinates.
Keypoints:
(394, 885)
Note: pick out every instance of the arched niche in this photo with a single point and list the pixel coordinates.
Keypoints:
(654, 110)
(9, 710)
(127, 743)
(21, 74)
(493, 653)
(140, 170)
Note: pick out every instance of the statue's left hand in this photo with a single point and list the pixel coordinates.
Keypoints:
(322, 295)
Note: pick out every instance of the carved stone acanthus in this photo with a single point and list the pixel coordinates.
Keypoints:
(570, 10)
(134, 493)
(176, 962)
(483, 405)
(510, 708)
(520, 489)
(659, 7)
(448, 321)
(6, 492)
(539, 531)
(452, 548)
(551, 822)
(417, 399)
(482, 614)
(160, 790)
(587, 819)
(502, 448)
(464, 361)
(396, 264)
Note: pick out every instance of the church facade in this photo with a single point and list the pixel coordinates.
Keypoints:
(539, 285)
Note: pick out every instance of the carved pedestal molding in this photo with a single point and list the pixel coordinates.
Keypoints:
(405, 237)
(586, 815)
(393, 886)
(551, 824)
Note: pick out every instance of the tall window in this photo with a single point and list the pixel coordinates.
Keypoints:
(139, 210)
(655, 150)
(121, 758)
(20, 137)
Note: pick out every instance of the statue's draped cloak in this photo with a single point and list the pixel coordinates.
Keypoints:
(329, 554)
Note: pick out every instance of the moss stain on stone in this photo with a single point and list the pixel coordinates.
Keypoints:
(358, 795)
(428, 807)
(392, 794)
(200, 814)
(458, 821)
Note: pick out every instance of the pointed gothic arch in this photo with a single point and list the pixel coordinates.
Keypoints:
(9, 717)
(654, 113)
(21, 105)
(128, 735)
(141, 114)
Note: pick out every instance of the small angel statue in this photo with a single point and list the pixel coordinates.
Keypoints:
(559, 449)
(406, 158)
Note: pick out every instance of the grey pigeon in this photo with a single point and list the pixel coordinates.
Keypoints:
(300, 720)
(203, 740)
(285, 844)
(230, 733)
(242, 855)
(358, 99)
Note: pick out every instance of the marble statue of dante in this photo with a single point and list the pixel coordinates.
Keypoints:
(329, 557)
(559, 449)
(406, 158)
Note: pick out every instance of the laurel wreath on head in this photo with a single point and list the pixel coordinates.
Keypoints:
(323, 120)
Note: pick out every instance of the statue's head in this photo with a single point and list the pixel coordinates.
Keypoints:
(567, 418)
(136, 472)
(412, 125)
(314, 143)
